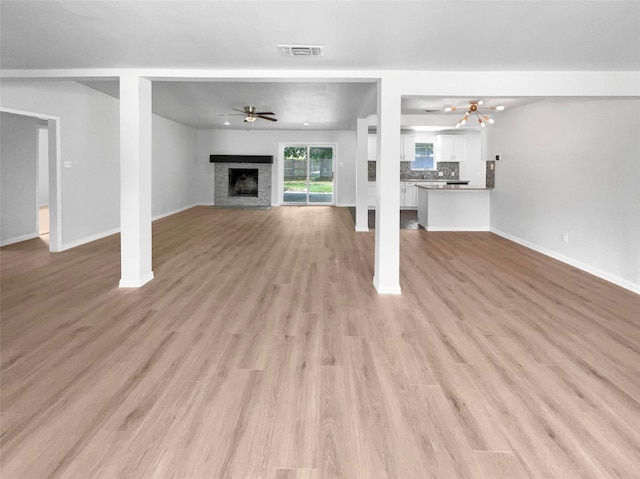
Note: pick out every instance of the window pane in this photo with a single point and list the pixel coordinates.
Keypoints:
(424, 157)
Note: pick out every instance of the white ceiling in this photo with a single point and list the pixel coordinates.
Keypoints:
(356, 35)
(204, 105)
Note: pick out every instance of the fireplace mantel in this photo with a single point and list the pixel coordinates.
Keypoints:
(241, 158)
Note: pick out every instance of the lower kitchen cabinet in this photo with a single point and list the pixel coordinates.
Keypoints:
(408, 195)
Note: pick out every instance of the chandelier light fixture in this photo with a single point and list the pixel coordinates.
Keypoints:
(474, 108)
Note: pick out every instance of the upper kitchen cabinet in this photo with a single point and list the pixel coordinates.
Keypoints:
(407, 148)
(449, 148)
(372, 147)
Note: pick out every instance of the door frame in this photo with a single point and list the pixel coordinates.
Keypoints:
(55, 176)
(280, 182)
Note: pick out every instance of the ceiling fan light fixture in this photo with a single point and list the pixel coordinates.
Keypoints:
(474, 108)
(249, 118)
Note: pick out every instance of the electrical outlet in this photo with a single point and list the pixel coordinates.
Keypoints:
(440, 173)
(565, 237)
(67, 164)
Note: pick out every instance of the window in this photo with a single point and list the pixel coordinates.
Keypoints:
(424, 157)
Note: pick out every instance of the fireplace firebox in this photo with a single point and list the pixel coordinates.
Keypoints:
(243, 182)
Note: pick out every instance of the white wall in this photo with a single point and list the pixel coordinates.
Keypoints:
(89, 128)
(18, 164)
(572, 167)
(90, 139)
(265, 142)
(43, 166)
(174, 167)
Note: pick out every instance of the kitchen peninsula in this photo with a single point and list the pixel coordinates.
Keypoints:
(453, 207)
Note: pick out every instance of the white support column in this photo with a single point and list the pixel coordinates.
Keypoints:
(387, 238)
(135, 181)
(362, 175)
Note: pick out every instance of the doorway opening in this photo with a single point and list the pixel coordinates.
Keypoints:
(43, 182)
(308, 174)
(47, 126)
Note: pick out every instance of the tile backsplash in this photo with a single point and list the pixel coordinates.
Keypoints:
(450, 171)
(491, 174)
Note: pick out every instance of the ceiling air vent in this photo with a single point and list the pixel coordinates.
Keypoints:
(300, 50)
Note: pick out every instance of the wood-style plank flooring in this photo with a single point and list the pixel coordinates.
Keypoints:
(261, 350)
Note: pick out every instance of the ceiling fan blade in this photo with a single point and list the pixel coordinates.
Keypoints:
(265, 113)
(241, 111)
(266, 118)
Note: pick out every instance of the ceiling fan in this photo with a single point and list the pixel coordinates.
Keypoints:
(251, 114)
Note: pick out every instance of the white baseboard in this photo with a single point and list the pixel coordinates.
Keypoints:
(66, 246)
(173, 212)
(136, 283)
(18, 239)
(623, 283)
(457, 228)
(362, 229)
(386, 289)
(89, 239)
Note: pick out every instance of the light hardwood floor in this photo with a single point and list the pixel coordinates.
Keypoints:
(261, 350)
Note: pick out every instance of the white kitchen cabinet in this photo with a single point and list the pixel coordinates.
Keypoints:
(372, 147)
(449, 148)
(371, 195)
(408, 195)
(407, 148)
(454, 209)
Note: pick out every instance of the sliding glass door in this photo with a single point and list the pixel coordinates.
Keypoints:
(308, 174)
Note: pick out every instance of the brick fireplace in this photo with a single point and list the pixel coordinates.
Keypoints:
(242, 181)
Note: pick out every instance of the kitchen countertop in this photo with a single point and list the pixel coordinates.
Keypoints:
(415, 180)
(453, 187)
